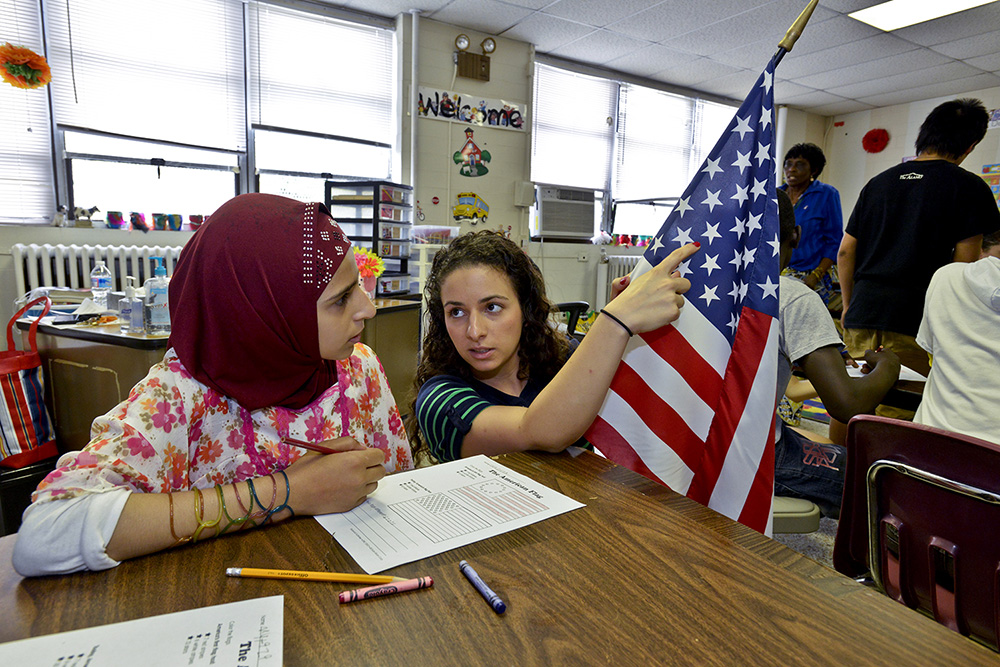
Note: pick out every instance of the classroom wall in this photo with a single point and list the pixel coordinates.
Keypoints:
(849, 167)
(436, 173)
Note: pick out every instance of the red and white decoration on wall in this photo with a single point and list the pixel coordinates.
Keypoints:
(875, 140)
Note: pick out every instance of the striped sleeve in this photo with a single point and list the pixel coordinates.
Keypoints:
(446, 407)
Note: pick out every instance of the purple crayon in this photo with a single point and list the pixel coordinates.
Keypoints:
(386, 589)
(491, 598)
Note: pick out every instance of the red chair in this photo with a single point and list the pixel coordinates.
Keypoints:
(921, 513)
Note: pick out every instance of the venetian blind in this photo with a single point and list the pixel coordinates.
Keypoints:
(26, 194)
(159, 70)
(313, 73)
(573, 130)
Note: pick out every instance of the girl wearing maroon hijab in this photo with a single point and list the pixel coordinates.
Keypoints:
(264, 350)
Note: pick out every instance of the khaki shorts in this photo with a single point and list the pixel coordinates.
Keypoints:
(910, 354)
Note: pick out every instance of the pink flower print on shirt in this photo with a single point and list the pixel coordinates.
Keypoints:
(162, 419)
(244, 472)
(395, 423)
(280, 419)
(314, 426)
(234, 440)
(139, 446)
(86, 459)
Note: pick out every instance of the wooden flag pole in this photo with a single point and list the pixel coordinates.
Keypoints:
(786, 44)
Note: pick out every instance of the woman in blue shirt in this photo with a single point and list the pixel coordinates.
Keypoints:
(818, 213)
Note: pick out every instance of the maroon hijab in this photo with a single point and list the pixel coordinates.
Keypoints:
(243, 300)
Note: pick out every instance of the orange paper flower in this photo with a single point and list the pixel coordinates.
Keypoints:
(369, 264)
(23, 68)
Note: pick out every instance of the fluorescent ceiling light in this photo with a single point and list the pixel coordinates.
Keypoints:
(897, 14)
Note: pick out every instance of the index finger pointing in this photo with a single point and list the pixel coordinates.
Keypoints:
(674, 259)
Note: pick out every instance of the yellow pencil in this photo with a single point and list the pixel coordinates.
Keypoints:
(343, 577)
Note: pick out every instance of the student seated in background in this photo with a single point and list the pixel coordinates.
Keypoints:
(266, 317)
(808, 466)
(960, 330)
(494, 376)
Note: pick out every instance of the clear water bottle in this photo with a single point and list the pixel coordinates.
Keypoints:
(156, 309)
(100, 284)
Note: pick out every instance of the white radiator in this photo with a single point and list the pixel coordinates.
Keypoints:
(615, 267)
(70, 265)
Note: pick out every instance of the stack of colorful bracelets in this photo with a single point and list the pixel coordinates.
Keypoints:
(249, 518)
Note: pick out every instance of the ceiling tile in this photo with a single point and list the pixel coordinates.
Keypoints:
(990, 63)
(875, 69)
(389, 8)
(674, 17)
(482, 15)
(847, 6)
(942, 89)
(751, 54)
(692, 74)
(836, 31)
(840, 108)
(811, 98)
(599, 47)
(530, 4)
(597, 13)
(773, 19)
(735, 86)
(547, 33)
(649, 60)
(971, 47)
(953, 27)
(784, 89)
(879, 46)
(906, 81)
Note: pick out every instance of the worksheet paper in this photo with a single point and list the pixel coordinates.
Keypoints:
(416, 514)
(905, 373)
(246, 633)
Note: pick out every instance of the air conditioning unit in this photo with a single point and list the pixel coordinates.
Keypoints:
(567, 212)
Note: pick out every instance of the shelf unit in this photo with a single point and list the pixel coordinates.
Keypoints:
(377, 215)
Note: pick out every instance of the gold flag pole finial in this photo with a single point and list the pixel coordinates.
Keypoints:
(800, 24)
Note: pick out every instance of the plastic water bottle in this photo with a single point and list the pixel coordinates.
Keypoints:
(100, 284)
(156, 308)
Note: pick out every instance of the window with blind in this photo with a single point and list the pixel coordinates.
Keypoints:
(335, 112)
(646, 158)
(25, 141)
(150, 105)
(573, 128)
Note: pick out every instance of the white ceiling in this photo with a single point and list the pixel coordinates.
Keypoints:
(839, 65)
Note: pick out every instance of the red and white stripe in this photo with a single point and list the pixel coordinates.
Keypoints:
(688, 411)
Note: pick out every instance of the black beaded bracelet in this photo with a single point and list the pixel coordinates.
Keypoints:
(623, 325)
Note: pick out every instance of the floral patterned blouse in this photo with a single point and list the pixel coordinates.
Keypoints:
(173, 433)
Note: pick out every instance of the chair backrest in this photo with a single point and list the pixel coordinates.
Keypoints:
(573, 310)
(920, 511)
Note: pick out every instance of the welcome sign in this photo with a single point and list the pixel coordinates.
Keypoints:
(456, 107)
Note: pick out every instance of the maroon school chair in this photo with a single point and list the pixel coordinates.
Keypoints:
(921, 513)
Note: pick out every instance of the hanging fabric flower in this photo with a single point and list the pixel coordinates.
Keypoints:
(369, 264)
(23, 68)
(875, 141)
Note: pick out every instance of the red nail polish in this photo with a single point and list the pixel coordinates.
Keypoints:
(697, 245)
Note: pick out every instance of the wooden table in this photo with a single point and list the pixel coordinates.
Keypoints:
(640, 576)
(91, 369)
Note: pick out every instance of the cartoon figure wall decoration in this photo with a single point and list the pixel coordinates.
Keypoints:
(470, 206)
(471, 158)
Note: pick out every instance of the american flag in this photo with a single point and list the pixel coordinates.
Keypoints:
(692, 404)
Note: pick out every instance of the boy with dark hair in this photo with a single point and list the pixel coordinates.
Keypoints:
(806, 466)
(909, 221)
